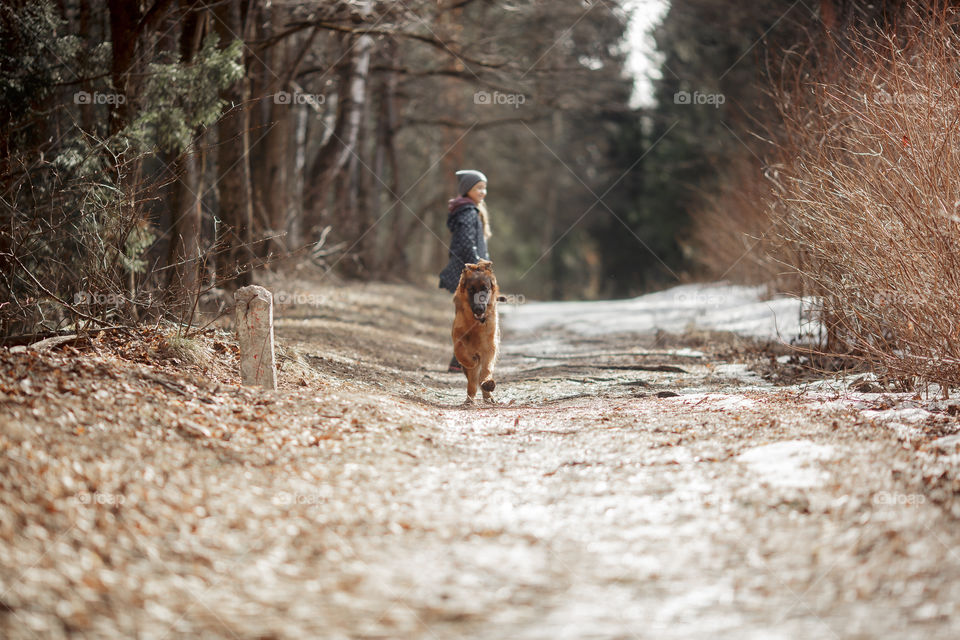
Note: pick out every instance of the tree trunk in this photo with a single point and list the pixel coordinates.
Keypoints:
(278, 138)
(341, 204)
(357, 223)
(87, 29)
(185, 236)
(295, 221)
(277, 170)
(395, 259)
(124, 18)
(233, 163)
(125, 29)
(435, 255)
(260, 77)
(334, 155)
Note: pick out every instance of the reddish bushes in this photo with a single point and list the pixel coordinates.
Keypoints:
(870, 172)
(732, 229)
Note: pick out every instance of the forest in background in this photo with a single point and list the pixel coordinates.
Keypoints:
(153, 151)
(154, 154)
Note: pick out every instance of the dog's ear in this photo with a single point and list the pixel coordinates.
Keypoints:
(484, 264)
(471, 266)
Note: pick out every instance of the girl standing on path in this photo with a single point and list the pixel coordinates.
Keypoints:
(469, 224)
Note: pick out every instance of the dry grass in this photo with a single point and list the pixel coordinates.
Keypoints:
(870, 174)
(189, 350)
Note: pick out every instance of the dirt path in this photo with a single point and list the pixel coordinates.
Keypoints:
(624, 487)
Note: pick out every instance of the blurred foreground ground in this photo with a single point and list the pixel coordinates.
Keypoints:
(628, 485)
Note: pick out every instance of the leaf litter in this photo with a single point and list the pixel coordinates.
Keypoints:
(145, 492)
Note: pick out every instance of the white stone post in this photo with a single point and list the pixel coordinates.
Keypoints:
(255, 335)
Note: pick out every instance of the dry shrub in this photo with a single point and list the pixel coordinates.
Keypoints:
(870, 171)
(72, 242)
(732, 231)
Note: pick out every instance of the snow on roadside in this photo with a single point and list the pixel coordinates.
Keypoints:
(724, 307)
(903, 413)
(790, 463)
(720, 307)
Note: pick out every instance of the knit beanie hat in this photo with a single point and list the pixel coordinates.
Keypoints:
(468, 178)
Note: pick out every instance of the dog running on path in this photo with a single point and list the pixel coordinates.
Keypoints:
(476, 331)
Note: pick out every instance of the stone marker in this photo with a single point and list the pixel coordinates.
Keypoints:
(255, 335)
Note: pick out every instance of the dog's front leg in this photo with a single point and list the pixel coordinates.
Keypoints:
(488, 384)
(473, 381)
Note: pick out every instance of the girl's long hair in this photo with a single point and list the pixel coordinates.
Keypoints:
(485, 219)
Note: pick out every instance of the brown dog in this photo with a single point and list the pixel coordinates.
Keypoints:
(476, 331)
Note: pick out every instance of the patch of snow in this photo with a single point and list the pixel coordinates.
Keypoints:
(910, 415)
(828, 385)
(946, 444)
(737, 370)
(715, 400)
(789, 464)
(687, 353)
(734, 402)
(904, 432)
(904, 420)
(536, 347)
(719, 307)
(844, 404)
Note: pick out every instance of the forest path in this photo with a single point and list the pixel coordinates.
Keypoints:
(593, 502)
(625, 486)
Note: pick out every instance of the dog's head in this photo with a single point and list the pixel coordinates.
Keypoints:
(480, 287)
